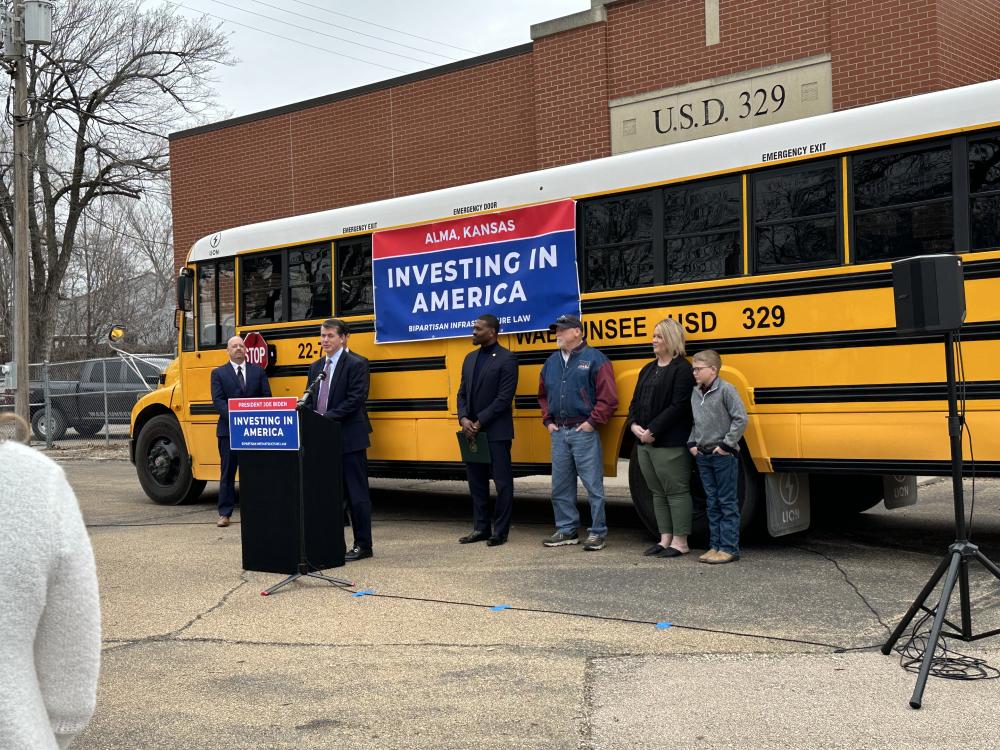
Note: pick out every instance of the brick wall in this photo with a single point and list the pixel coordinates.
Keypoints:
(655, 44)
(883, 50)
(571, 96)
(969, 32)
(546, 104)
(471, 124)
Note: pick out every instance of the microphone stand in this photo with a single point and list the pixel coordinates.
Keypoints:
(304, 570)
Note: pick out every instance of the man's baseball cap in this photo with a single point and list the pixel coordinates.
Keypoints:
(566, 321)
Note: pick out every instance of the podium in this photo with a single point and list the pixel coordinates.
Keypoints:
(269, 501)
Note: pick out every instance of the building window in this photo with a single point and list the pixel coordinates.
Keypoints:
(618, 242)
(291, 284)
(795, 217)
(902, 203)
(216, 303)
(702, 230)
(984, 192)
(354, 276)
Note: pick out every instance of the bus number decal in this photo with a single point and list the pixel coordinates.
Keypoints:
(764, 317)
(308, 351)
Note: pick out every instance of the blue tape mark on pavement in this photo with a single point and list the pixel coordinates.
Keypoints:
(365, 592)
(663, 625)
(499, 607)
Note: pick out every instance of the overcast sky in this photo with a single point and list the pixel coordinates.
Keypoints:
(323, 53)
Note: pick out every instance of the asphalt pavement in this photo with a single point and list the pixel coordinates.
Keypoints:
(521, 646)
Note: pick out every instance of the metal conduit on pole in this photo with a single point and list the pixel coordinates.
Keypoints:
(48, 404)
(30, 22)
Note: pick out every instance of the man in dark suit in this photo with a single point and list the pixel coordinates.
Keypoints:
(485, 395)
(342, 397)
(235, 379)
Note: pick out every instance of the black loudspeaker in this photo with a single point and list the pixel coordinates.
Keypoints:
(929, 292)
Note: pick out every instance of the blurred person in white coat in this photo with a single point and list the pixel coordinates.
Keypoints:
(50, 620)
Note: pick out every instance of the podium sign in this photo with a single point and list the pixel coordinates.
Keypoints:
(263, 424)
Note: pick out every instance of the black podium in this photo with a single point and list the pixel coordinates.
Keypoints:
(269, 501)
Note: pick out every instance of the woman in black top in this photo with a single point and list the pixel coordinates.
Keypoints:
(660, 418)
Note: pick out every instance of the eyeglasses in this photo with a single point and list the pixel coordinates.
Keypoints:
(696, 369)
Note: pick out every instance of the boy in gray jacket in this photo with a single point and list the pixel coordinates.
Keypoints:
(719, 421)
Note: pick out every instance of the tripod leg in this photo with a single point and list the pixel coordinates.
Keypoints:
(963, 599)
(917, 603)
(988, 564)
(279, 584)
(949, 583)
(330, 579)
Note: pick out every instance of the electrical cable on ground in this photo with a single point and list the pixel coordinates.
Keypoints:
(945, 663)
(610, 618)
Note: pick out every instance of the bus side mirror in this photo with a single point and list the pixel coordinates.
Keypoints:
(185, 290)
(116, 334)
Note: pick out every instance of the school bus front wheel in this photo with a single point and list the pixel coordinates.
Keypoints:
(163, 464)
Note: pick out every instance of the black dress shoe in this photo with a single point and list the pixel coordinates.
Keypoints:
(496, 541)
(356, 553)
(475, 536)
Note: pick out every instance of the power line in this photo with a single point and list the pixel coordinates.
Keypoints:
(347, 28)
(387, 28)
(280, 36)
(321, 33)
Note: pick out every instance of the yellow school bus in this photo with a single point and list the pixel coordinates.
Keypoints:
(772, 246)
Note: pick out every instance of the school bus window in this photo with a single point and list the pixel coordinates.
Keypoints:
(701, 223)
(309, 282)
(984, 191)
(354, 276)
(261, 289)
(187, 332)
(902, 203)
(795, 217)
(618, 242)
(227, 300)
(216, 314)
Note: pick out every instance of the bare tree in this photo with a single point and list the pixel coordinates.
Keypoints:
(115, 81)
(121, 273)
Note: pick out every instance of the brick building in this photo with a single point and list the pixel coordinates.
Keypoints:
(626, 74)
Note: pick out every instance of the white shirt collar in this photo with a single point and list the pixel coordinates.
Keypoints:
(334, 358)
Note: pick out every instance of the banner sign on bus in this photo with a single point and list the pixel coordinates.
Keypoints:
(434, 280)
(263, 424)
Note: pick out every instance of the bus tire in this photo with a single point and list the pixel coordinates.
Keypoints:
(163, 464)
(57, 424)
(834, 496)
(749, 489)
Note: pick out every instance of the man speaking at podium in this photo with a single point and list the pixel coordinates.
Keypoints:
(342, 396)
(235, 379)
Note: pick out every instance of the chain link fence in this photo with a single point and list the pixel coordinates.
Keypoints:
(85, 404)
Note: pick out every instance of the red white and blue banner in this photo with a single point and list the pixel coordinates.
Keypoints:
(432, 281)
(263, 424)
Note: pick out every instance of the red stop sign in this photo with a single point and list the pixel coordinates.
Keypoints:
(256, 350)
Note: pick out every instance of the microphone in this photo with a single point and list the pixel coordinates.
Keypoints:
(310, 393)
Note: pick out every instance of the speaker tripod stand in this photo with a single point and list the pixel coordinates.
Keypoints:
(304, 569)
(955, 566)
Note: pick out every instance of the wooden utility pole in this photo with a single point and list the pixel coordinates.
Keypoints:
(21, 166)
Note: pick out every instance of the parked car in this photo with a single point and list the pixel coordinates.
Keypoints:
(79, 402)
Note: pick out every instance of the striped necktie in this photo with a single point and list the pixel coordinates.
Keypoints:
(324, 388)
